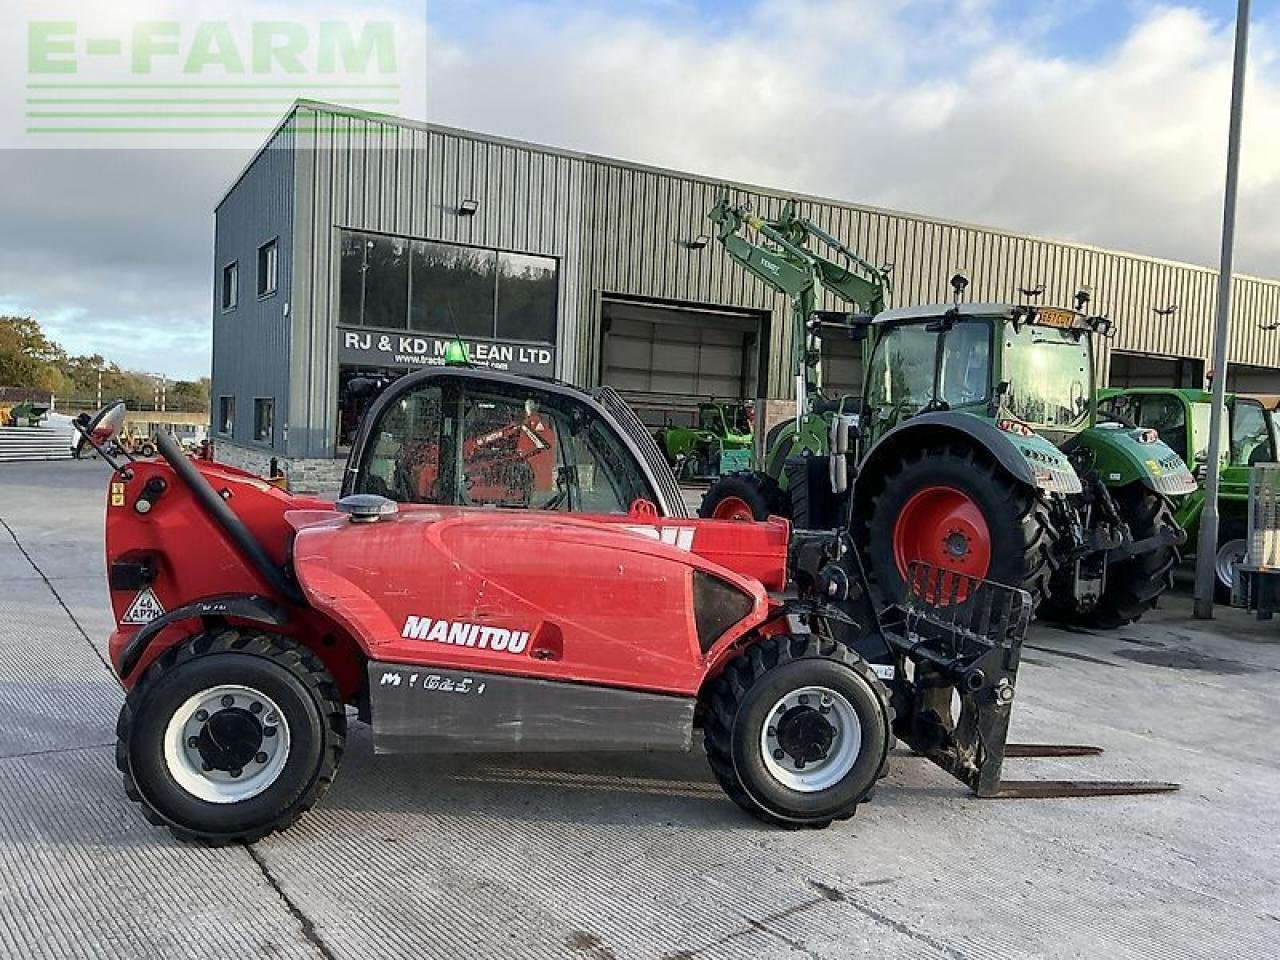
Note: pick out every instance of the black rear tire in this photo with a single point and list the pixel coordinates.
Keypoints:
(290, 677)
(758, 491)
(1134, 585)
(737, 708)
(1016, 518)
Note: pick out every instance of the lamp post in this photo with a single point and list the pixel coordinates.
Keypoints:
(1207, 545)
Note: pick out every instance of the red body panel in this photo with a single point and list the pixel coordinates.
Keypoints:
(596, 599)
(599, 601)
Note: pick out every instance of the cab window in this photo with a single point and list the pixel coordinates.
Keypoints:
(966, 364)
(1250, 438)
(498, 445)
(901, 376)
(402, 458)
(1167, 415)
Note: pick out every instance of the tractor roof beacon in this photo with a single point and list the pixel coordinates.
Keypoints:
(249, 619)
(974, 446)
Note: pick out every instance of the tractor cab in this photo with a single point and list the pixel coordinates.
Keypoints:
(1030, 368)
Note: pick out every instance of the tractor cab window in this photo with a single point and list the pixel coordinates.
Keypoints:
(1166, 415)
(1050, 372)
(966, 364)
(900, 380)
(1250, 436)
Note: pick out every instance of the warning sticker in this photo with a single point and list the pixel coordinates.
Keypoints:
(117, 494)
(145, 607)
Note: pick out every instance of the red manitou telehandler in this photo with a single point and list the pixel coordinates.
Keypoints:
(594, 616)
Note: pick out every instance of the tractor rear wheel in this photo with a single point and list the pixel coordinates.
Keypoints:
(797, 730)
(1134, 585)
(744, 495)
(230, 736)
(957, 511)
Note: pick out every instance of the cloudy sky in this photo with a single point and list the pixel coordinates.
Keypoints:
(1101, 121)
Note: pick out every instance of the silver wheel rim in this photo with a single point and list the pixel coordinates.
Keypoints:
(197, 723)
(808, 703)
(1228, 554)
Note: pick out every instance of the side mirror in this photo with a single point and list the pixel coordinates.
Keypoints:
(100, 428)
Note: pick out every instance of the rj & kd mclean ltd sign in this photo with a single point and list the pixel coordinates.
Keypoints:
(371, 348)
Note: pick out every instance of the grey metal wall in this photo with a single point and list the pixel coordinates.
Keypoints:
(361, 172)
(622, 229)
(251, 342)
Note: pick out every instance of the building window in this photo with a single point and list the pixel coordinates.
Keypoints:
(226, 415)
(264, 417)
(230, 285)
(394, 283)
(268, 269)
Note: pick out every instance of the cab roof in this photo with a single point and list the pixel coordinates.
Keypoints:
(930, 311)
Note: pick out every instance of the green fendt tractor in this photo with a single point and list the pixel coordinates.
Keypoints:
(720, 442)
(1181, 417)
(975, 446)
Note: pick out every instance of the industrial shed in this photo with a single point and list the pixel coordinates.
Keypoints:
(357, 244)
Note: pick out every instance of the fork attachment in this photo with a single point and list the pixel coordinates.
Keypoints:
(964, 637)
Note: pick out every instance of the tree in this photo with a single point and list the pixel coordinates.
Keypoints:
(27, 357)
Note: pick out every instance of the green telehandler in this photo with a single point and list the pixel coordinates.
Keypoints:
(975, 444)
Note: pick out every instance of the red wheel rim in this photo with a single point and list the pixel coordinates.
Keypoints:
(943, 527)
(733, 508)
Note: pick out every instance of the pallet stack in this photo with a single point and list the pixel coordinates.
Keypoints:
(34, 443)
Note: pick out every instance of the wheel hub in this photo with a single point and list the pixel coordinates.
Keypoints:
(230, 739)
(811, 739)
(944, 527)
(226, 744)
(955, 543)
(804, 734)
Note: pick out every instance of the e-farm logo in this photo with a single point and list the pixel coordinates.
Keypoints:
(201, 81)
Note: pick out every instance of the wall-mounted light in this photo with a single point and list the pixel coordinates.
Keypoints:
(1032, 291)
(1083, 296)
(1168, 311)
(698, 242)
(1273, 325)
(468, 208)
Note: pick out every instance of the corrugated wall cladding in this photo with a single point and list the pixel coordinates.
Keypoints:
(620, 229)
(251, 343)
(369, 174)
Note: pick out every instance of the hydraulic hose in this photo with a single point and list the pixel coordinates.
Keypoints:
(230, 524)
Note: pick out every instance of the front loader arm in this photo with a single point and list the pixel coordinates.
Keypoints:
(787, 265)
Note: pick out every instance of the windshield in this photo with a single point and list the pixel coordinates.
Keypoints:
(1050, 375)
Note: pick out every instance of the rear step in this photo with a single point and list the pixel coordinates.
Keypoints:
(965, 636)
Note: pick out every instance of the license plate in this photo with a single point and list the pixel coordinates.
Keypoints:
(1056, 317)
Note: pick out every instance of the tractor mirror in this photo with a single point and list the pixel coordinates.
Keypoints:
(101, 427)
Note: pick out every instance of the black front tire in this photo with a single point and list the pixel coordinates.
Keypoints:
(290, 675)
(758, 491)
(1136, 584)
(737, 709)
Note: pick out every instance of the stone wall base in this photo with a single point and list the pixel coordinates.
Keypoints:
(313, 476)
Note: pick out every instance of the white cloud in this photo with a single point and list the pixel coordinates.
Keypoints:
(915, 106)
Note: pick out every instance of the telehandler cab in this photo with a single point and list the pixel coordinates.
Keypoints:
(249, 620)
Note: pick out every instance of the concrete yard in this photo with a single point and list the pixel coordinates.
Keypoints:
(641, 856)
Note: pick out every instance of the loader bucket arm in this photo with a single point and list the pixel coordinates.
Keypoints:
(964, 636)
